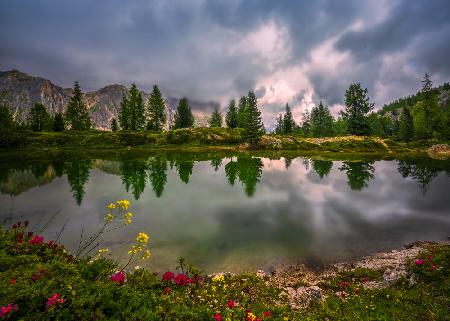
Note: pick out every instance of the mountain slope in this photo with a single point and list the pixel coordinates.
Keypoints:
(23, 90)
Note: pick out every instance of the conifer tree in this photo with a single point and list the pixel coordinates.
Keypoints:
(231, 118)
(288, 121)
(136, 109)
(183, 115)
(114, 126)
(253, 127)
(124, 114)
(156, 110)
(279, 128)
(406, 126)
(321, 121)
(216, 118)
(77, 115)
(58, 123)
(357, 106)
(38, 118)
(242, 111)
(306, 123)
(6, 117)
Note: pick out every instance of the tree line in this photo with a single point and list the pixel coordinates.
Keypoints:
(416, 117)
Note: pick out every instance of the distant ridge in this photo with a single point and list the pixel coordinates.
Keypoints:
(23, 90)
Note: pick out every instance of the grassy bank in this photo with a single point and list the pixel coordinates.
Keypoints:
(40, 280)
(206, 138)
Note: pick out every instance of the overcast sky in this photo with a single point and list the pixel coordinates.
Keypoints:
(294, 52)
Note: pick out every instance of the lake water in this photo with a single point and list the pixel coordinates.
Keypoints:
(234, 212)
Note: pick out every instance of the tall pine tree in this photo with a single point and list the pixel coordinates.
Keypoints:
(231, 118)
(216, 118)
(406, 126)
(279, 129)
(183, 116)
(253, 127)
(156, 110)
(58, 123)
(124, 114)
(288, 121)
(357, 106)
(77, 115)
(321, 121)
(38, 118)
(242, 112)
(136, 109)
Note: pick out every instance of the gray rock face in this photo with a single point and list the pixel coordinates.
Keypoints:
(23, 90)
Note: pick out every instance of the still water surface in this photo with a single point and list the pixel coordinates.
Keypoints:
(237, 212)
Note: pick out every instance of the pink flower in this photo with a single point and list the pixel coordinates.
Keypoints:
(13, 281)
(167, 290)
(37, 240)
(168, 276)
(344, 284)
(118, 277)
(182, 279)
(266, 314)
(218, 317)
(7, 309)
(433, 267)
(55, 299)
(231, 304)
(419, 262)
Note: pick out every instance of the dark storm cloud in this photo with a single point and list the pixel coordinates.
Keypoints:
(202, 48)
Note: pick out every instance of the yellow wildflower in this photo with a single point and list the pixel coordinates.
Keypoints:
(142, 238)
(127, 216)
(111, 206)
(103, 250)
(251, 316)
(109, 217)
(218, 278)
(124, 204)
(146, 255)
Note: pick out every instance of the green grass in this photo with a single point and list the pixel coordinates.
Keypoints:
(31, 273)
(207, 138)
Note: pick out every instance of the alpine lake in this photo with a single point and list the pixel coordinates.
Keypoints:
(224, 211)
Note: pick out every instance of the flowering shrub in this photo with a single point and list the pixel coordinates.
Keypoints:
(118, 277)
(7, 309)
(54, 300)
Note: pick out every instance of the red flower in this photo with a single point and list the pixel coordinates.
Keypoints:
(168, 276)
(30, 234)
(37, 240)
(218, 317)
(14, 226)
(182, 279)
(231, 304)
(167, 290)
(266, 314)
(433, 267)
(419, 262)
(26, 223)
(118, 277)
(430, 257)
(365, 279)
(7, 309)
(55, 299)
(13, 281)
(344, 284)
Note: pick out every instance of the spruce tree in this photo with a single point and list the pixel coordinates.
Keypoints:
(231, 118)
(38, 118)
(430, 106)
(406, 126)
(288, 121)
(183, 115)
(321, 121)
(77, 115)
(124, 114)
(279, 128)
(114, 125)
(58, 123)
(242, 111)
(306, 123)
(253, 127)
(357, 106)
(6, 117)
(136, 109)
(216, 118)
(156, 110)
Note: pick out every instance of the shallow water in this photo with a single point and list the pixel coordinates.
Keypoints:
(235, 213)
